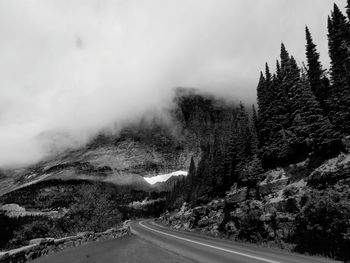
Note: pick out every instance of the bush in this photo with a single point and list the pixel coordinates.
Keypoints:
(96, 210)
(7, 226)
(249, 224)
(323, 226)
(36, 229)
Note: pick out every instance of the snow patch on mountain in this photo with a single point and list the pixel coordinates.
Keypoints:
(163, 177)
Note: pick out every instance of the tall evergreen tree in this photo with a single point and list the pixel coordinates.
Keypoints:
(338, 36)
(254, 117)
(284, 57)
(313, 130)
(190, 179)
(338, 100)
(254, 132)
(268, 76)
(278, 69)
(228, 164)
(262, 94)
(314, 70)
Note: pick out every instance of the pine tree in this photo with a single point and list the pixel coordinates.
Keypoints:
(314, 70)
(190, 179)
(254, 118)
(313, 130)
(262, 94)
(267, 73)
(228, 164)
(338, 100)
(284, 57)
(338, 37)
(348, 9)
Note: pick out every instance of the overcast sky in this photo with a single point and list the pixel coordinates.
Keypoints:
(69, 68)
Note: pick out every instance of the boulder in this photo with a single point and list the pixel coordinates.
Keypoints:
(188, 214)
(203, 222)
(237, 196)
(221, 203)
(200, 210)
(177, 215)
(84, 234)
(231, 228)
(252, 193)
(331, 171)
(275, 181)
(237, 213)
(285, 217)
(214, 230)
(265, 217)
(41, 241)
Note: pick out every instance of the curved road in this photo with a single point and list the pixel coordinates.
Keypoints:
(206, 249)
(154, 243)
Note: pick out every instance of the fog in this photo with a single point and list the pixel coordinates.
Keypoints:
(71, 68)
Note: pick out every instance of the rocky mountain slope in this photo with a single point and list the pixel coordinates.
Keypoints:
(103, 182)
(143, 149)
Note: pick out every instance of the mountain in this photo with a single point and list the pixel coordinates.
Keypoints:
(168, 184)
(142, 149)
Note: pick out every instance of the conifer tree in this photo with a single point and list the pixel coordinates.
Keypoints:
(284, 57)
(254, 118)
(262, 94)
(338, 37)
(278, 70)
(338, 100)
(314, 70)
(267, 73)
(311, 128)
(190, 179)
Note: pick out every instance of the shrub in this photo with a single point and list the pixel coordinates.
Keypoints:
(251, 228)
(38, 228)
(323, 226)
(96, 210)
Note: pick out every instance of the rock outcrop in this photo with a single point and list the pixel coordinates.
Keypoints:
(275, 181)
(266, 212)
(331, 171)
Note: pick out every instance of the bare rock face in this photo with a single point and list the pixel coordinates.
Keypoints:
(331, 171)
(206, 218)
(236, 195)
(275, 181)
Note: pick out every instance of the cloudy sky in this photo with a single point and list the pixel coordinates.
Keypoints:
(70, 68)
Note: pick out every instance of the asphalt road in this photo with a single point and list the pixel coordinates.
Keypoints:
(154, 243)
(206, 249)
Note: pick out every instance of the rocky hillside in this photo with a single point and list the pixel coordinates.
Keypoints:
(289, 207)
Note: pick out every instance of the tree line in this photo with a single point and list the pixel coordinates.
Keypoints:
(303, 112)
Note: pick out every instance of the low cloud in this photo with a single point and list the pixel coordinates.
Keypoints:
(71, 68)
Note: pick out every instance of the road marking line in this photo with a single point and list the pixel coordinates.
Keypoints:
(206, 245)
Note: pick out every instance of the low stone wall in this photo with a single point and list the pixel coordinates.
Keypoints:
(44, 246)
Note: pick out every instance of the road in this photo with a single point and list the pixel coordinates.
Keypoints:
(154, 243)
(206, 249)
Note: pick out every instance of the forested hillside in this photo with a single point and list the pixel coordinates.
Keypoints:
(283, 164)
